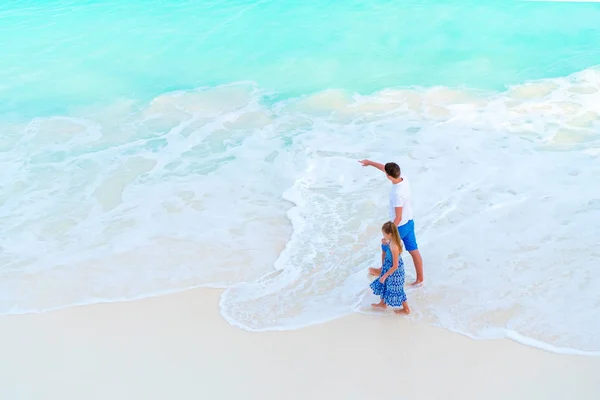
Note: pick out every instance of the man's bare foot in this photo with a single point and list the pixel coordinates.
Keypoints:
(418, 282)
(375, 271)
(379, 305)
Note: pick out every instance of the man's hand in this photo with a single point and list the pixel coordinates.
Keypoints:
(369, 163)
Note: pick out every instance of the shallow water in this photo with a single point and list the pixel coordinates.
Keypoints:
(150, 147)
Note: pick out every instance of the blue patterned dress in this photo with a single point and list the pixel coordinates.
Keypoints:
(392, 291)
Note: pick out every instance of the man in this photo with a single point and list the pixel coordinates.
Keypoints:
(400, 212)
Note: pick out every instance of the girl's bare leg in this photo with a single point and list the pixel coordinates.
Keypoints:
(404, 310)
(381, 304)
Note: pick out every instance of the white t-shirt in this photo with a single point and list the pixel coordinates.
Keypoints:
(400, 196)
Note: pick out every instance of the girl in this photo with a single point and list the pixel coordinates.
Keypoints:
(390, 284)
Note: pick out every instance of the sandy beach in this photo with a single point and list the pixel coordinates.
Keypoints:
(178, 347)
(148, 148)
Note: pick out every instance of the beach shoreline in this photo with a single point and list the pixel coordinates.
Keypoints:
(184, 215)
(178, 346)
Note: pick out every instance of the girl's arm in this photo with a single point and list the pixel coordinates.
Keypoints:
(395, 257)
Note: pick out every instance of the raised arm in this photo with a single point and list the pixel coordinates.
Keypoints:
(369, 163)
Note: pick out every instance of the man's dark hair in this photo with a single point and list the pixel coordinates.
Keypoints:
(393, 170)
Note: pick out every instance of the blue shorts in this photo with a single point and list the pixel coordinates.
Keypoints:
(407, 234)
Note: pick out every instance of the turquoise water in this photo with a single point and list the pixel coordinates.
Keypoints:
(148, 147)
(60, 54)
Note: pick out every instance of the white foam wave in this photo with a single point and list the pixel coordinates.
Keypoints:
(500, 210)
(196, 188)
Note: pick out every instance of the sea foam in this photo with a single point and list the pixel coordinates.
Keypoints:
(198, 188)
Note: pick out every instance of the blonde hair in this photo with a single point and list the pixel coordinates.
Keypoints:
(391, 229)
